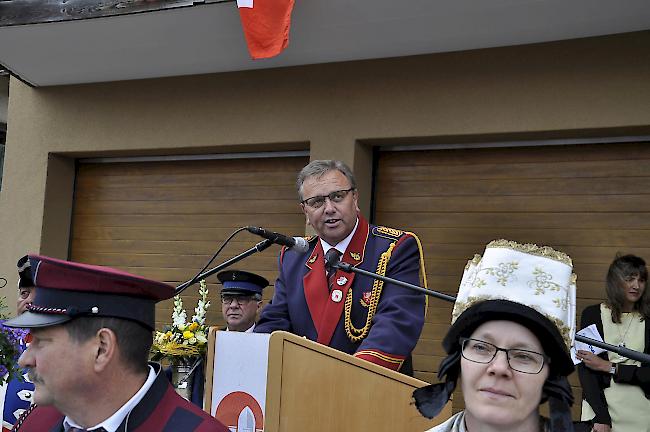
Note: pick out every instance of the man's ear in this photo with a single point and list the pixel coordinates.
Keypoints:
(304, 210)
(105, 348)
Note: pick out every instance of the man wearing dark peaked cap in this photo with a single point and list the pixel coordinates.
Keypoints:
(91, 331)
(241, 299)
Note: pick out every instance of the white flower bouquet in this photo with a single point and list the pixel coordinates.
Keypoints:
(183, 341)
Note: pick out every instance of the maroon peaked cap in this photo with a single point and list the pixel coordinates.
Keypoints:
(66, 290)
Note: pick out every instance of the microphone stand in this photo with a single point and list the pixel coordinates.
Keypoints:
(622, 351)
(348, 268)
(259, 247)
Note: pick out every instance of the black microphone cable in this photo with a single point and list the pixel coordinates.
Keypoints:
(223, 245)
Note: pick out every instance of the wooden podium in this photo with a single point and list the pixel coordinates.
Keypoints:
(308, 387)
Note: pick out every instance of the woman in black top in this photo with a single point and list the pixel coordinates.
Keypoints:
(616, 390)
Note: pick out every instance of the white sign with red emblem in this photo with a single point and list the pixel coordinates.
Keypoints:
(239, 380)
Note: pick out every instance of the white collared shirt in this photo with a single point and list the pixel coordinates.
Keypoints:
(342, 245)
(250, 329)
(112, 423)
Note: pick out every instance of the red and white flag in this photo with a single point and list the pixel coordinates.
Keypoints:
(266, 25)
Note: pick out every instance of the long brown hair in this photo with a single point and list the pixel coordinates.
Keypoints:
(621, 268)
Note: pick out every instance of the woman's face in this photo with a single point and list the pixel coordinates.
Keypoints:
(495, 395)
(633, 287)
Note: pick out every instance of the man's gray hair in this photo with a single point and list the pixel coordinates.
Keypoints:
(318, 168)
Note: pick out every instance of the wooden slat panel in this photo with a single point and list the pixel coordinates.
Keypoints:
(548, 156)
(217, 220)
(164, 220)
(497, 221)
(590, 201)
(521, 203)
(181, 208)
(235, 166)
(621, 238)
(517, 187)
(508, 170)
(216, 234)
(199, 179)
(136, 193)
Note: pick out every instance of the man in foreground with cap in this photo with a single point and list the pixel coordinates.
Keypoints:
(91, 331)
(241, 299)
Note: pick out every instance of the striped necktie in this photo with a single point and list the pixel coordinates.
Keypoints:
(331, 256)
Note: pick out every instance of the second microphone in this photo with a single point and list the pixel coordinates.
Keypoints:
(297, 244)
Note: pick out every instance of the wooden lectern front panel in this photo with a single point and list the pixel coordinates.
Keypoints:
(334, 391)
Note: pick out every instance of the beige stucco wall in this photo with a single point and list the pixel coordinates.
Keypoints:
(589, 87)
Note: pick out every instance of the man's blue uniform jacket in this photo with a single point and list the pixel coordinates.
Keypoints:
(303, 304)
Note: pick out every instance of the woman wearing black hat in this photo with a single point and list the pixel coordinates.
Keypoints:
(616, 390)
(512, 326)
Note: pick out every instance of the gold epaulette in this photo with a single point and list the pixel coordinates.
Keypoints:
(386, 232)
(395, 234)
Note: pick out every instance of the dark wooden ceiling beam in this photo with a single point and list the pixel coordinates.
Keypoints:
(22, 12)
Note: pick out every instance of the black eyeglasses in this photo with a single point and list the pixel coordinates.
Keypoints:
(520, 360)
(318, 200)
(227, 299)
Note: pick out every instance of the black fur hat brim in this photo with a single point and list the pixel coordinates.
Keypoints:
(492, 310)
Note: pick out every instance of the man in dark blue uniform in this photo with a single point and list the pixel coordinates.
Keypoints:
(372, 320)
(91, 332)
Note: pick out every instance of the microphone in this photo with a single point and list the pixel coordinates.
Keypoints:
(297, 244)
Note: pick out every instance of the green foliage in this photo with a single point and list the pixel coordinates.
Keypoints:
(3, 308)
(9, 347)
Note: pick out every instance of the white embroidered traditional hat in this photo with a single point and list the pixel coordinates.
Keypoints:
(524, 283)
(538, 277)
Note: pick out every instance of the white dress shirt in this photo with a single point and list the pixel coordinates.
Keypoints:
(250, 329)
(342, 245)
(113, 422)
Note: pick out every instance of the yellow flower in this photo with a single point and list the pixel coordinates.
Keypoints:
(194, 326)
(188, 334)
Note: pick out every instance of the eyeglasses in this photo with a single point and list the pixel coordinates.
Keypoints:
(524, 361)
(318, 200)
(239, 299)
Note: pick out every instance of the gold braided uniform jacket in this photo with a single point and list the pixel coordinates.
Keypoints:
(379, 322)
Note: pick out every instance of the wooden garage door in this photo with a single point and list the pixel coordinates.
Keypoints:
(590, 201)
(164, 220)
